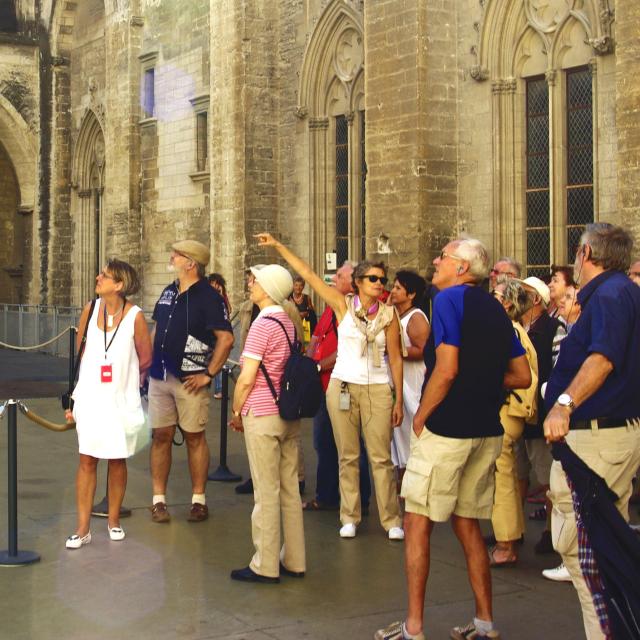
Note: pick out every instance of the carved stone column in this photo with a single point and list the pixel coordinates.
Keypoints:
(504, 183)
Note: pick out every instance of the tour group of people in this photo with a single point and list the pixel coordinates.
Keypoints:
(451, 393)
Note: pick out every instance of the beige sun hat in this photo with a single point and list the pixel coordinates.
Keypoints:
(275, 280)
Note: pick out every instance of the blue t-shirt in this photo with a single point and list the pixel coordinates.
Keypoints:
(469, 318)
(610, 325)
(185, 323)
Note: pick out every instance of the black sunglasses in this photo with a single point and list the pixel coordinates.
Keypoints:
(373, 279)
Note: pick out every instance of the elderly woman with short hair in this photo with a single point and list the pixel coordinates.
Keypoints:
(359, 395)
(107, 403)
(520, 405)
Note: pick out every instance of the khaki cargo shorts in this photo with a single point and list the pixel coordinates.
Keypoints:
(447, 476)
(170, 404)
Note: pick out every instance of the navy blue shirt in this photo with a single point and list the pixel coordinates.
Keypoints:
(185, 323)
(469, 318)
(610, 325)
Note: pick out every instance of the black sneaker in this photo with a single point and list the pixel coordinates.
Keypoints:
(246, 487)
(544, 545)
(292, 574)
(248, 575)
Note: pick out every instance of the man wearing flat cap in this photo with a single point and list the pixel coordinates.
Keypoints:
(192, 340)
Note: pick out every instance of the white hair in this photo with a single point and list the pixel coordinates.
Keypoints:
(475, 253)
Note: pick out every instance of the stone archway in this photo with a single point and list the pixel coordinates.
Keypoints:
(87, 206)
(331, 99)
(12, 232)
(17, 202)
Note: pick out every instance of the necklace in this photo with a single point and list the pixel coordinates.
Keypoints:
(111, 318)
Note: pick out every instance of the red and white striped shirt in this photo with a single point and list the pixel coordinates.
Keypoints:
(266, 342)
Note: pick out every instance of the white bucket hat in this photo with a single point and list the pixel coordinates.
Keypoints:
(275, 280)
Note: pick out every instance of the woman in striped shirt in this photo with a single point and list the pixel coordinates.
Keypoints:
(271, 441)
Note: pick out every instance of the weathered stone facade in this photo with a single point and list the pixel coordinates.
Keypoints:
(382, 126)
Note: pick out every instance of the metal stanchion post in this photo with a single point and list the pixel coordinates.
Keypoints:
(12, 556)
(222, 473)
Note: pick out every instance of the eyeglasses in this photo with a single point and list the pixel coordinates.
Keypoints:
(444, 254)
(495, 272)
(104, 274)
(373, 279)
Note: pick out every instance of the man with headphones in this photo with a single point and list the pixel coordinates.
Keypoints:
(593, 394)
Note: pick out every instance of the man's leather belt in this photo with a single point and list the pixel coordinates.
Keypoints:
(602, 423)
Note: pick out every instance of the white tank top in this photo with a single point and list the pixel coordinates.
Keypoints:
(351, 365)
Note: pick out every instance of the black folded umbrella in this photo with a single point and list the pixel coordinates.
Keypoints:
(608, 549)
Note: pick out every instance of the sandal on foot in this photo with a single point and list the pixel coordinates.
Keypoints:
(495, 564)
(315, 505)
(539, 514)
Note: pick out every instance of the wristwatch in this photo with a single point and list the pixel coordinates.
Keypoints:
(209, 375)
(237, 414)
(565, 400)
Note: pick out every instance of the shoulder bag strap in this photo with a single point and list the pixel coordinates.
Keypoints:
(264, 369)
(76, 366)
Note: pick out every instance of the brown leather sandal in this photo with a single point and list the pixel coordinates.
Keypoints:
(495, 564)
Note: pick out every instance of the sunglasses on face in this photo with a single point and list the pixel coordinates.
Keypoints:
(373, 279)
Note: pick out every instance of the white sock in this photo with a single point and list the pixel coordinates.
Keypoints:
(160, 497)
(405, 633)
(198, 498)
(483, 626)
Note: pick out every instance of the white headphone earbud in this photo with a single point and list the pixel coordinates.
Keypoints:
(459, 271)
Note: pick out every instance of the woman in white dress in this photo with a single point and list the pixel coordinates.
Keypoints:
(107, 407)
(408, 289)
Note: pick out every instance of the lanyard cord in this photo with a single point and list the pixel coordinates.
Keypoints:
(104, 327)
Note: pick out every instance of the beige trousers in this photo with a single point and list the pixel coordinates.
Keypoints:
(370, 410)
(507, 517)
(273, 459)
(613, 454)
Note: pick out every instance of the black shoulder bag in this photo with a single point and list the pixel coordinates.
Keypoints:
(66, 399)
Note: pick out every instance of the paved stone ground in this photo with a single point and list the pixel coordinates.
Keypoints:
(172, 581)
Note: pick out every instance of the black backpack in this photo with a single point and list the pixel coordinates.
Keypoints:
(300, 388)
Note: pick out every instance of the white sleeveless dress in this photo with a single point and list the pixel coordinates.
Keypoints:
(413, 372)
(105, 412)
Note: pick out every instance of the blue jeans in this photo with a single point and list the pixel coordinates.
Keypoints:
(327, 483)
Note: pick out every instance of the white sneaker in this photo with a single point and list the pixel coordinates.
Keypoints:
(116, 533)
(348, 530)
(558, 574)
(396, 533)
(75, 541)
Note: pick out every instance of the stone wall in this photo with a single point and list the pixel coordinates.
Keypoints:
(628, 115)
(443, 149)
(174, 195)
(411, 143)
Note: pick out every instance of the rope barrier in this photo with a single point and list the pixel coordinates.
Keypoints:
(43, 422)
(37, 346)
